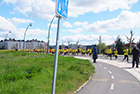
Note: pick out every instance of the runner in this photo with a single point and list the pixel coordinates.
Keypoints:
(116, 54)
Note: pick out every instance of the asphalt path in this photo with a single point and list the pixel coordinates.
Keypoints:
(120, 58)
(109, 79)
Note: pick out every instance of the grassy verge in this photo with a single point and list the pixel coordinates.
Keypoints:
(31, 73)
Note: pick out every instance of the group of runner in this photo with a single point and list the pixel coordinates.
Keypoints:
(109, 52)
(70, 51)
(64, 51)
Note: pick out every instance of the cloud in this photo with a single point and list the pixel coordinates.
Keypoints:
(126, 20)
(6, 25)
(78, 30)
(9, 1)
(88, 39)
(81, 23)
(19, 20)
(17, 33)
(67, 24)
(45, 9)
(64, 30)
(52, 25)
(93, 39)
(38, 32)
(78, 7)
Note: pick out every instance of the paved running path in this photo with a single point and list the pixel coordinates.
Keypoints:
(123, 65)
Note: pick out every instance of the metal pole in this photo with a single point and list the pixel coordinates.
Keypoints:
(49, 34)
(56, 57)
(25, 35)
(5, 39)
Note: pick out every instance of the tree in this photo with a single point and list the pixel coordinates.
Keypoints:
(3, 47)
(138, 44)
(119, 45)
(102, 45)
(130, 40)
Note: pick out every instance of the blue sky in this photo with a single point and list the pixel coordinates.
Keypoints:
(87, 20)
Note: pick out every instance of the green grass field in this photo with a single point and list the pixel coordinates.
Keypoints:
(32, 73)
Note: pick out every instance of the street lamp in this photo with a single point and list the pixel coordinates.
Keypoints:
(25, 35)
(49, 34)
(68, 44)
(7, 34)
(5, 39)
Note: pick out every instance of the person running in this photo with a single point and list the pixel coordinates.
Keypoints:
(104, 52)
(78, 51)
(83, 52)
(61, 51)
(69, 51)
(73, 52)
(90, 52)
(125, 54)
(65, 51)
(53, 51)
(130, 52)
(115, 54)
(50, 50)
(109, 53)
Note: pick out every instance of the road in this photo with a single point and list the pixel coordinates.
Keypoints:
(109, 79)
(120, 58)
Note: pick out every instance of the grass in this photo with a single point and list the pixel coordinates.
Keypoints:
(32, 73)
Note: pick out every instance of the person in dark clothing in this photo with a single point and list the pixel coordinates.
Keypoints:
(104, 52)
(95, 54)
(78, 51)
(135, 53)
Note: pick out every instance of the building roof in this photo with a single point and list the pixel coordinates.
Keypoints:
(128, 44)
(33, 40)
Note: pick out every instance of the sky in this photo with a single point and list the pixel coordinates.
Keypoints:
(87, 20)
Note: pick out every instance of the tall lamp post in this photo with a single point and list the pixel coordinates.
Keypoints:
(77, 44)
(99, 44)
(25, 35)
(5, 39)
(68, 44)
(49, 35)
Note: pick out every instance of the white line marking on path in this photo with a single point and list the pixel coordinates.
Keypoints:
(112, 86)
(100, 65)
(112, 77)
(110, 72)
(105, 68)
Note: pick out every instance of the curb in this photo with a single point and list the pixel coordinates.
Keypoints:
(82, 85)
(86, 81)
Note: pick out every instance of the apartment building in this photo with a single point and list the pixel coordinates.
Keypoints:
(18, 44)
